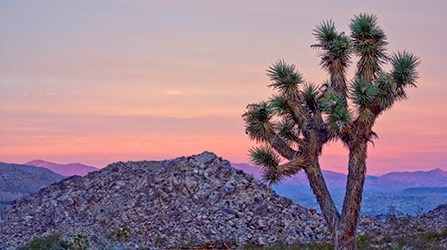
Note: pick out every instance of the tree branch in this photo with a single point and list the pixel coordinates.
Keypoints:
(292, 167)
(282, 148)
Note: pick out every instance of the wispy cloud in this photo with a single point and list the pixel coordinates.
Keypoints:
(173, 92)
(38, 94)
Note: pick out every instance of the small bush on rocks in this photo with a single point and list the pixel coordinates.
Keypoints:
(121, 233)
(50, 242)
(80, 242)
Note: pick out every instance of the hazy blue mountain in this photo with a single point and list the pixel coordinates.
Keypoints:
(402, 180)
(391, 181)
(425, 190)
(404, 192)
(18, 180)
(249, 169)
(64, 169)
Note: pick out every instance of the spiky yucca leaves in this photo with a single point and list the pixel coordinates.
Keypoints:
(369, 43)
(264, 156)
(286, 79)
(386, 91)
(311, 96)
(281, 122)
(287, 131)
(325, 33)
(283, 108)
(362, 92)
(272, 172)
(268, 160)
(335, 46)
(404, 72)
(331, 101)
(336, 53)
(341, 51)
(338, 118)
(391, 87)
(258, 123)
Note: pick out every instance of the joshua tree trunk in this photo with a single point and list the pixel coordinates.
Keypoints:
(323, 196)
(346, 230)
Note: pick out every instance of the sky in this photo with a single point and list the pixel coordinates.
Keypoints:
(103, 81)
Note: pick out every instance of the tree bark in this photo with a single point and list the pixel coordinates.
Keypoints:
(346, 230)
(319, 187)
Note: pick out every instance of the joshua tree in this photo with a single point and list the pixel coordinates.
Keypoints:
(294, 124)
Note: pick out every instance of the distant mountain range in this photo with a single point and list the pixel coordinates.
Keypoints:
(406, 191)
(394, 181)
(401, 180)
(18, 180)
(64, 169)
(403, 192)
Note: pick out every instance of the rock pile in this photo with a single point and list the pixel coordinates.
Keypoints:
(436, 219)
(191, 201)
(433, 221)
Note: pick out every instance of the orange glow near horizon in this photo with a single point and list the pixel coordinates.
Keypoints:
(96, 83)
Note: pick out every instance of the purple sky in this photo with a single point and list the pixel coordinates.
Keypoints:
(101, 81)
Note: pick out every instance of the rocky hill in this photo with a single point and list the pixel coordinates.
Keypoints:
(64, 169)
(426, 231)
(191, 201)
(436, 219)
(20, 180)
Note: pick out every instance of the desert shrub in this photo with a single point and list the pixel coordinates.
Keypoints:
(427, 240)
(50, 242)
(80, 242)
(251, 246)
(280, 245)
(121, 233)
(160, 241)
(364, 241)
